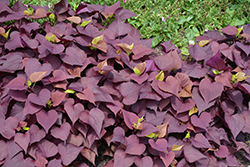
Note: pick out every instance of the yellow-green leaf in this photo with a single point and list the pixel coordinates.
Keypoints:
(193, 111)
(177, 147)
(187, 135)
(140, 119)
(70, 91)
(136, 71)
(52, 17)
(6, 34)
(204, 42)
(152, 135)
(97, 39)
(29, 83)
(28, 12)
(239, 30)
(216, 72)
(52, 38)
(25, 128)
(160, 76)
(240, 76)
(84, 23)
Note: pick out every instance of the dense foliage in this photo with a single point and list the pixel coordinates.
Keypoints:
(86, 79)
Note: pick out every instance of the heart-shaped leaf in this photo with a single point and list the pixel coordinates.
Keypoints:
(37, 76)
(133, 146)
(41, 99)
(72, 110)
(210, 94)
(36, 134)
(130, 92)
(46, 119)
(68, 152)
(47, 148)
(61, 132)
(23, 140)
(94, 118)
(17, 83)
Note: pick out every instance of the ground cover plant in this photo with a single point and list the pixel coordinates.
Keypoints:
(85, 79)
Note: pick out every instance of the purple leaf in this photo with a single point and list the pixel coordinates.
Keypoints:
(130, 118)
(94, 118)
(11, 62)
(101, 94)
(171, 85)
(46, 119)
(13, 148)
(199, 141)
(167, 158)
(122, 159)
(229, 30)
(235, 122)
(119, 27)
(145, 161)
(72, 110)
(119, 136)
(17, 83)
(202, 121)
(182, 105)
(30, 108)
(133, 146)
(41, 161)
(175, 127)
(55, 162)
(3, 150)
(198, 53)
(68, 152)
(10, 125)
(210, 94)
(61, 132)
(224, 78)
(199, 101)
(130, 92)
(47, 148)
(14, 42)
(160, 144)
(72, 56)
(192, 154)
(244, 48)
(76, 140)
(216, 62)
(23, 140)
(36, 134)
(147, 128)
(140, 51)
(41, 99)
(222, 152)
(33, 65)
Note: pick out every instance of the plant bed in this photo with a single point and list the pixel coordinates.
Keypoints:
(84, 85)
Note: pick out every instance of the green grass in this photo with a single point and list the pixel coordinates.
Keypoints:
(181, 21)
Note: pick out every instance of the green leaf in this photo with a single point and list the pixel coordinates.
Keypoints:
(184, 51)
(25, 128)
(157, 40)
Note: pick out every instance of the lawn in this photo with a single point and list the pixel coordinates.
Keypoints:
(181, 21)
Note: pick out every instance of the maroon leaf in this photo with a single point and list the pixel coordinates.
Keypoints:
(145, 161)
(130, 118)
(87, 95)
(46, 119)
(41, 99)
(119, 136)
(3, 150)
(235, 122)
(222, 152)
(41, 161)
(140, 51)
(229, 30)
(216, 62)
(55, 162)
(167, 158)
(210, 94)
(89, 155)
(46, 148)
(199, 141)
(119, 27)
(68, 152)
(101, 94)
(133, 146)
(23, 140)
(122, 159)
(171, 85)
(130, 92)
(30, 108)
(72, 110)
(202, 121)
(94, 118)
(76, 140)
(160, 144)
(192, 154)
(57, 97)
(17, 83)
(10, 125)
(62, 132)
(36, 134)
